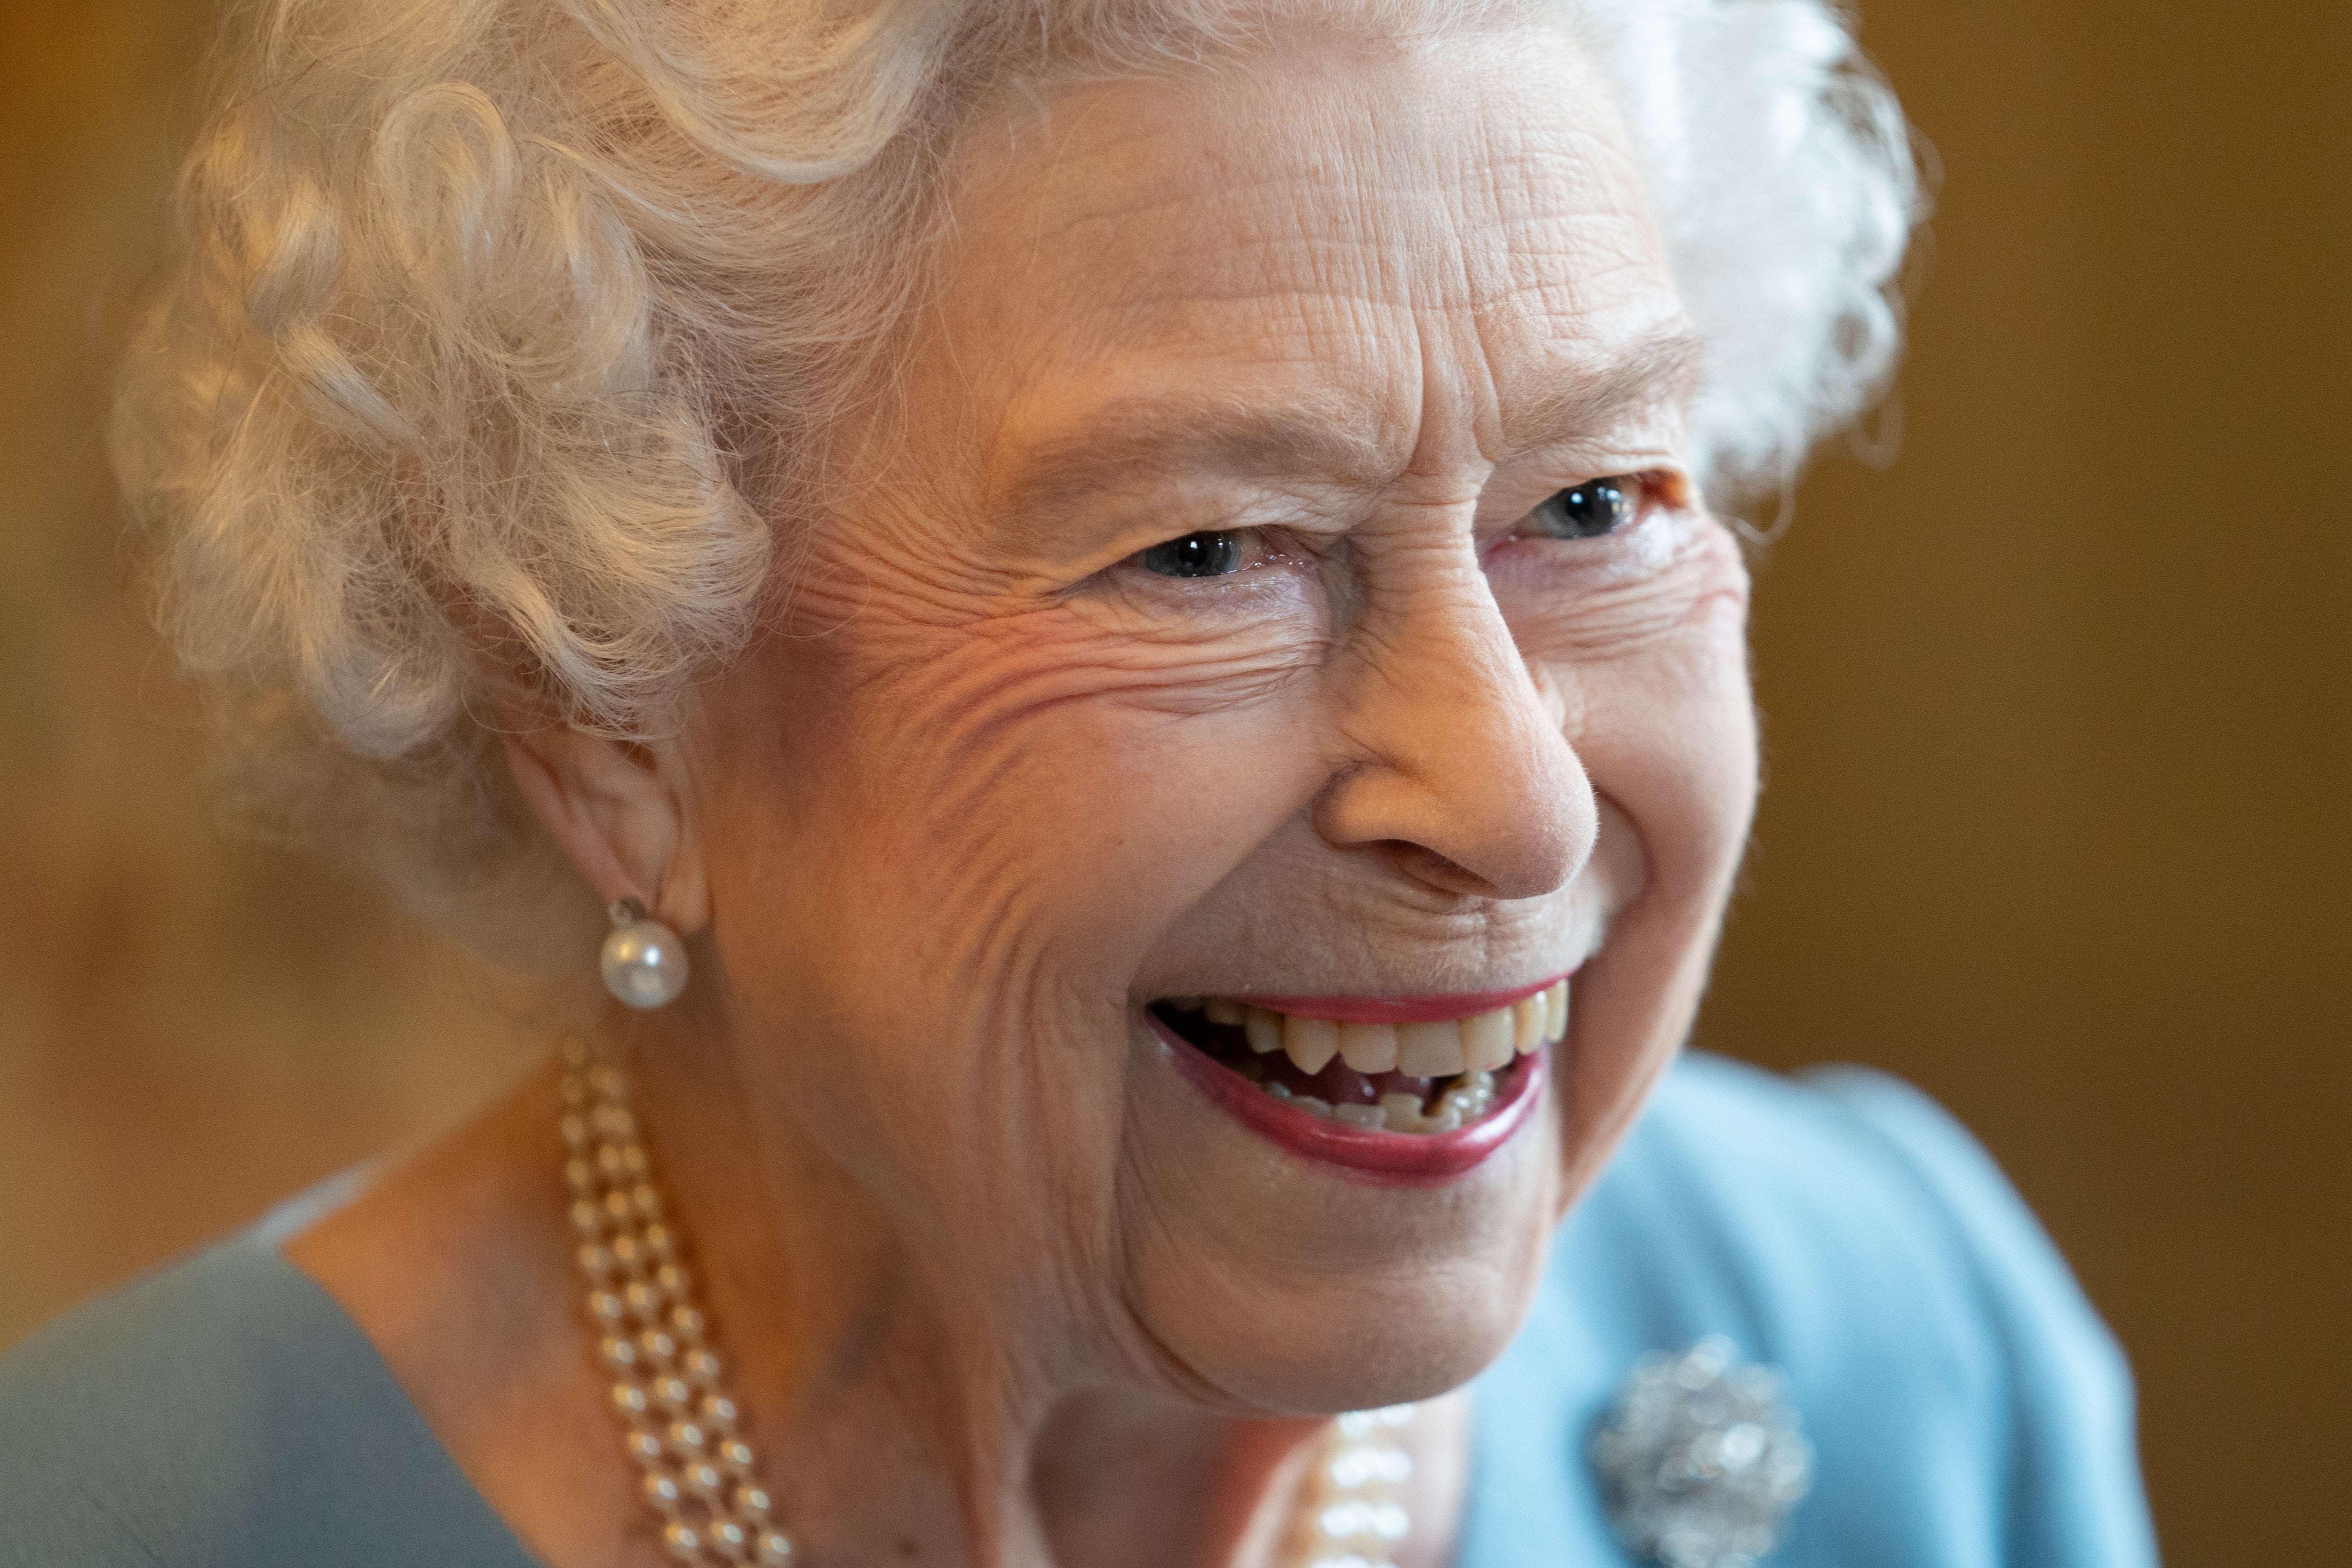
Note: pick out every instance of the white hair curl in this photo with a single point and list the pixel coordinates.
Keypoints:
(498, 332)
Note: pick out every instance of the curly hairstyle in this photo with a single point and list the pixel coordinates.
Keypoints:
(500, 335)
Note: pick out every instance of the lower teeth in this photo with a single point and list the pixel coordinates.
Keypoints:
(1465, 1100)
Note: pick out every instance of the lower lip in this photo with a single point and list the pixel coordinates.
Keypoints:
(1360, 1151)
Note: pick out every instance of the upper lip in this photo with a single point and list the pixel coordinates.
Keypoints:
(1395, 1007)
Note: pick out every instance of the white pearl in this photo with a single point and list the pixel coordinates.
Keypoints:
(775, 1550)
(645, 964)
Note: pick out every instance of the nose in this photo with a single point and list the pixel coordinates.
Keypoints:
(1458, 769)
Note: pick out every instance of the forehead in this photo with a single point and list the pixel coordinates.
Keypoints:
(1415, 249)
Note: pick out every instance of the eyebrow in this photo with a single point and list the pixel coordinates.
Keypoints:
(1663, 367)
(1142, 436)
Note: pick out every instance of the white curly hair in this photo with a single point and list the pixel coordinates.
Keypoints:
(500, 335)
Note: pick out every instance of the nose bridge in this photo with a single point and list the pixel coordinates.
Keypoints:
(1459, 747)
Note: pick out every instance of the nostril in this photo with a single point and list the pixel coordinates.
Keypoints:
(1426, 865)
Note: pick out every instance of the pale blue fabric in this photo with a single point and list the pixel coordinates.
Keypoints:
(1967, 1407)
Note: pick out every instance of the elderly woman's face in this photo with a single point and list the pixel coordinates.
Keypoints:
(1207, 622)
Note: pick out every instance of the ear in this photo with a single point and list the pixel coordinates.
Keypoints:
(624, 812)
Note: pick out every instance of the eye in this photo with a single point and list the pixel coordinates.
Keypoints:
(1209, 554)
(1590, 509)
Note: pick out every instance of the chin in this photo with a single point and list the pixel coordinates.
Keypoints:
(1291, 1254)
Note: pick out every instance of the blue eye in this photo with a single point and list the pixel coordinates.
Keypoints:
(1590, 509)
(1212, 554)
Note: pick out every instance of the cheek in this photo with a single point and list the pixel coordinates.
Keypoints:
(1651, 673)
(1048, 791)
(1666, 730)
(976, 832)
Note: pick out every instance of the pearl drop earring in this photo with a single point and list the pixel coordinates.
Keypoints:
(644, 960)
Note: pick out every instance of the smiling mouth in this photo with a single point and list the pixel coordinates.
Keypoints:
(1423, 1067)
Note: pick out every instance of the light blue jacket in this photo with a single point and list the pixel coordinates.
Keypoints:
(1966, 1406)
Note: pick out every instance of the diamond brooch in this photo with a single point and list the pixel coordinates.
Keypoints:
(1701, 1458)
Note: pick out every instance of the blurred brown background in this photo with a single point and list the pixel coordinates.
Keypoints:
(2058, 710)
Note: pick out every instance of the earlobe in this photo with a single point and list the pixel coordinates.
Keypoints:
(623, 815)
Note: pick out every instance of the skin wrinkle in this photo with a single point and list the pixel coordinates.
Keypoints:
(992, 786)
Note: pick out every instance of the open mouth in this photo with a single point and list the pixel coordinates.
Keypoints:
(1399, 1085)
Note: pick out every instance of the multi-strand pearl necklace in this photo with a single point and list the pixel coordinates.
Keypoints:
(680, 1425)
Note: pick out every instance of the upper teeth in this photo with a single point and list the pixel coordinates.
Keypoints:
(1439, 1049)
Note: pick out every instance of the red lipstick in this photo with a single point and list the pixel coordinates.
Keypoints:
(1403, 1157)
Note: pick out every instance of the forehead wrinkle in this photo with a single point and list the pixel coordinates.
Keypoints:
(1508, 238)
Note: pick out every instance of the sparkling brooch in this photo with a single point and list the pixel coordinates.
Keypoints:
(1701, 1458)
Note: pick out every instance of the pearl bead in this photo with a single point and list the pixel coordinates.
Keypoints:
(683, 1542)
(775, 1551)
(644, 964)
